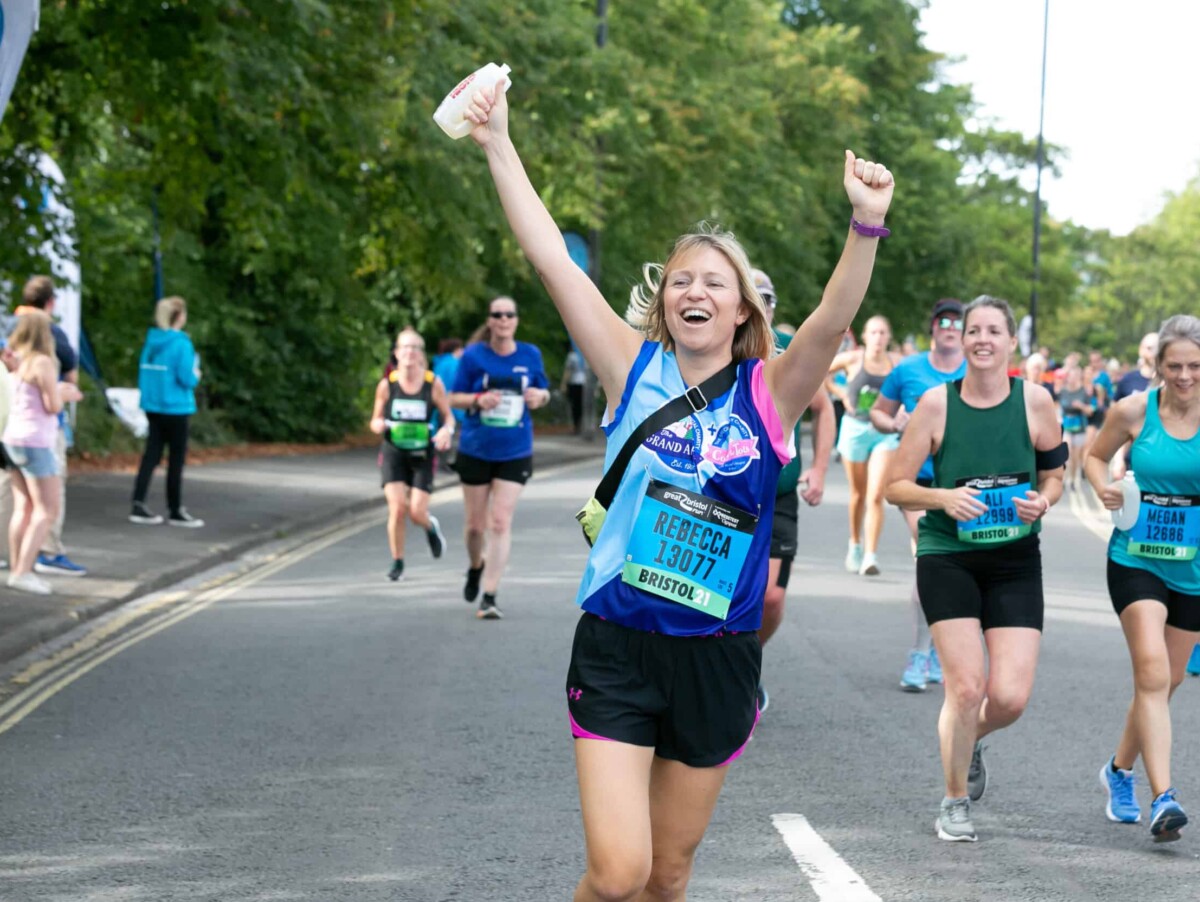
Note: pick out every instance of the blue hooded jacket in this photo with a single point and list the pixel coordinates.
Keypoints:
(167, 373)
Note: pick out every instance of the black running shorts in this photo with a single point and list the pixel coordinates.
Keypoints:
(413, 468)
(783, 526)
(477, 471)
(1129, 584)
(997, 586)
(691, 699)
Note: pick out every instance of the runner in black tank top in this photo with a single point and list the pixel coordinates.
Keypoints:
(404, 405)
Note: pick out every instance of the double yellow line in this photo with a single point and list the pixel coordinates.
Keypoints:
(44, 679)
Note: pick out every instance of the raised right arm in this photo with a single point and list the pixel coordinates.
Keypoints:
(609, 344)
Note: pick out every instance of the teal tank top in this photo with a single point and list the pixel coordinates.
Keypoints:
(1165, 538)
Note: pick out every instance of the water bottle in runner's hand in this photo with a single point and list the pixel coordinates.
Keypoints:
(450, 113)
(1127, 516)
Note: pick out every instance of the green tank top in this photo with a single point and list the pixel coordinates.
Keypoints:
(989, 449)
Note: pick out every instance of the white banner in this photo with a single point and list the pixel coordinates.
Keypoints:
(18, 22)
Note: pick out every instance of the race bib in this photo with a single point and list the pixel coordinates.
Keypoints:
(409, 424)
(688, 549)
(507, 413)
(1168, 527)
(866, 399)
(999, 523)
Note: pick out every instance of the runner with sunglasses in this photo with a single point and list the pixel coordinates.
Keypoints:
(499, 381)
(898, 397)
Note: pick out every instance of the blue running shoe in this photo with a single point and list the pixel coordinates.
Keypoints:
(916, 675)
(1122, 804)
(935, 666)
(1166, 818)
(1194, 662)
(58, 565)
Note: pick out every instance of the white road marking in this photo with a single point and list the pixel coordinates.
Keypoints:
(832, 879)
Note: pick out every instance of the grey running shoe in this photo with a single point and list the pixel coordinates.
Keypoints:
(487, 608)
(437, 541)
(977, 775)
(954, 821)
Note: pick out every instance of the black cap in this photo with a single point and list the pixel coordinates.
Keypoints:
(947, 305)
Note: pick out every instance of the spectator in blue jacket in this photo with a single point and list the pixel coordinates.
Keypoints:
(167, 377)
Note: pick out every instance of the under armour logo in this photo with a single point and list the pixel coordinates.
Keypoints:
(574, 694)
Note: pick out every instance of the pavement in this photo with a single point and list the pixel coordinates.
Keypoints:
(244, 504)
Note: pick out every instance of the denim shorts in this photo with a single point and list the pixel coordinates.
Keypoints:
(34, 463)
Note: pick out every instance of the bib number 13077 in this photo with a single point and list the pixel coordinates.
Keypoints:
(688, 548)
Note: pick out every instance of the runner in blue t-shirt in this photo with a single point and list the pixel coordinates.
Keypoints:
(499, 380)
(898, 397)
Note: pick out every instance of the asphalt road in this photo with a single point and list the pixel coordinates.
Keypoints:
(318, 733)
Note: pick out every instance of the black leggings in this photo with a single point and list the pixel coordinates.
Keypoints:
(171, 430)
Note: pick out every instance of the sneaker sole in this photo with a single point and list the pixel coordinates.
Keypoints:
(491, 614)
(1108, 805)
(186, 525)
(950, 837)
(55, 571)
(1169, 827)
(873, 570)
(911, 687)
(146, 521)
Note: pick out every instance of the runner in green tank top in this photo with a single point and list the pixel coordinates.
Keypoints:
(997, 470)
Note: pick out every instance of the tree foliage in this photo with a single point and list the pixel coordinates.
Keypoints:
(308, 206)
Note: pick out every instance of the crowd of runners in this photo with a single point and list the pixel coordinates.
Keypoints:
(694, 531)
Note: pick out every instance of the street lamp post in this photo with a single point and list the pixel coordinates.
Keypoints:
(1037, 193)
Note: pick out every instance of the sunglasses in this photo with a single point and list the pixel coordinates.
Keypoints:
(503, 314)
(947, 322)
(768, 298)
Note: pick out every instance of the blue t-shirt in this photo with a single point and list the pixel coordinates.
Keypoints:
(1130, 384)
(445, 367)
(665, 560)
(1105, 382)
(506, 432)
(911, 378)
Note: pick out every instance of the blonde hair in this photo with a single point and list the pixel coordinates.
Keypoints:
(168, 311)
(752, 339)
(409, 330)
(32, 335)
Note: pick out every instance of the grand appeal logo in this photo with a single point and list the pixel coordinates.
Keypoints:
(682, 446)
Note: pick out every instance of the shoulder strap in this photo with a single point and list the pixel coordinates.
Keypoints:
(694, 399)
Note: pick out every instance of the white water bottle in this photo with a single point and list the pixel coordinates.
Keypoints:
(450, 113)
(1125, 518)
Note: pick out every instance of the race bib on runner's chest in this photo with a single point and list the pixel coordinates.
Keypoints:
(1168, 527)
(507, 413)
(688, 548)
(410, 424)
(999, 523)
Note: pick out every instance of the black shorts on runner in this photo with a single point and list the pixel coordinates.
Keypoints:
(1129, 584)
(477, 471)
(691, 699)
(783, 526)
(1096, 419)
(999, 586)
(413, 468)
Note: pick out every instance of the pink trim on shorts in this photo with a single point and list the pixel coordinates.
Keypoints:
(579, 732)
(728, 761)
(784, 447)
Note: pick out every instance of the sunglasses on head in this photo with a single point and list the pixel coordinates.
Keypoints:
(503, 314)
(949, 322)
(768, 298)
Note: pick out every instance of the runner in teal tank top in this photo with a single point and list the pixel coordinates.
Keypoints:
(1154, 567)
(997, 468)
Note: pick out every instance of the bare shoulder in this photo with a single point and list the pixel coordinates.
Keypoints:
(1130, 409)
(933, 401)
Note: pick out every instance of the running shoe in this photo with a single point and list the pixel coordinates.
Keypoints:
(471, 589)
(1122, 804)
(854, 557)
(977, 774)
(870, 565)
(27, 582)
(916, 675)
(397, 571)
(935, 666)
(1194, 662)
(954, 821)
(58, 565)
(143, 515)
(487, 608)
(437, 541)
(764, 700)
(1166, 818)
(182, 518)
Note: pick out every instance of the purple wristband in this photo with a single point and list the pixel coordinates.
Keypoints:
(869, 231)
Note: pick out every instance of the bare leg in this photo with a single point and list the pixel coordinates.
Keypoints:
(614, 799)
(961, 654)
(499, 531)
(18, 524)
(876, 474)
(418, 507)
(922, 640)
(772, 602)
(475, 503)
(856, 475)
(396, 494)
(1012, 665)
(45, 496)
